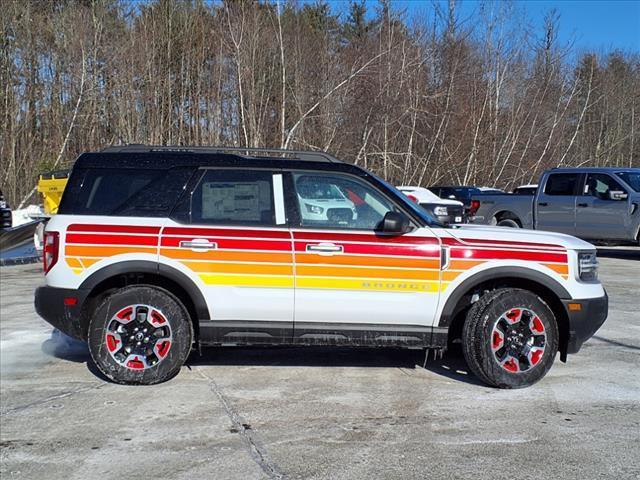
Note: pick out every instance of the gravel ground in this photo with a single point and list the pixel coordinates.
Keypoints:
(318, 413)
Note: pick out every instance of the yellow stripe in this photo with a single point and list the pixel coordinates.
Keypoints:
(247, 281)
(381, 285)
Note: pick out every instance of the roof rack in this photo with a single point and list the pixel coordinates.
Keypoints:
(308, 155)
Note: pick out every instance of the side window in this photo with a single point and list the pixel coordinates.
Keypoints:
(561, 184)
(336, 201)
(234, 197)
(599, 185)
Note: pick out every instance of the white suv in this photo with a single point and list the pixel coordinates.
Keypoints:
(157, 250)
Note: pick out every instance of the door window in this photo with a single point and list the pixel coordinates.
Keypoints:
(336, 201)
(599, 185)
(234, 197)
(561, 184)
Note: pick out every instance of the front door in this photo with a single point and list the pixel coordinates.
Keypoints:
(355, 285)
(598, 216)
(233, 242)
(556, 203)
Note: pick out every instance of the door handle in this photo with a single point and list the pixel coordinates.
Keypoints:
(325, 248)
(583, 205)
(199, 244)
(543, 204)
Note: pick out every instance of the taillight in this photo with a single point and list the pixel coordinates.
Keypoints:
(50, 250)
(475, 205)
(413, 198)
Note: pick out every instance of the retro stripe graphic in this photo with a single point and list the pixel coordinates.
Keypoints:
(269, 258)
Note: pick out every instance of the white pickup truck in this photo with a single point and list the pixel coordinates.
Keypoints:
(590, 203)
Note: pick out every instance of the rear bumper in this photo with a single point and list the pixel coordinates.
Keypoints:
(50, 305)
(586, 321)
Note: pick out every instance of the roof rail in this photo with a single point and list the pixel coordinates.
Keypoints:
(244, 151)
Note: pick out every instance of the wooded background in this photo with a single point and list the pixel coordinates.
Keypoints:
(418, 98)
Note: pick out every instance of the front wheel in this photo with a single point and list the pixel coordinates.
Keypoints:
(140, 335)
(510, 338)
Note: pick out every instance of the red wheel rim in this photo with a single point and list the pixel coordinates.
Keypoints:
(138, 337)
(518, 340)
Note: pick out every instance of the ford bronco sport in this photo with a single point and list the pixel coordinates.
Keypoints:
(157, 250)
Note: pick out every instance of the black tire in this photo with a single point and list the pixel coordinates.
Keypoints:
(508, 222)
(175, 320)
(478, 334)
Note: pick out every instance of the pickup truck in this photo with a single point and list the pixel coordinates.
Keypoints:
(590, 203)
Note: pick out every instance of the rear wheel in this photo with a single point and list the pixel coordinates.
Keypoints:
(140, 335)
(510, 338)
(510, 222)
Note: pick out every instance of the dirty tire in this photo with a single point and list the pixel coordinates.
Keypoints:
(177, 320)
(477, 337)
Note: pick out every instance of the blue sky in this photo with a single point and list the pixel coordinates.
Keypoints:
(600, 25)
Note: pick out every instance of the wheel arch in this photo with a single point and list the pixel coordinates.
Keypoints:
(503, 214)
(550, 290)
(128, 273)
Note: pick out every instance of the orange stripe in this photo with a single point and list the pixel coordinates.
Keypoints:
(179, 253)
(464, 264)
(369, 261)
(73, 263)
(314, 271)
(257, 269)
(562, 269)
(448, 276)
(100, 251)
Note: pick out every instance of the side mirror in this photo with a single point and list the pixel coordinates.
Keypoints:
(618, 195)
(394, 222)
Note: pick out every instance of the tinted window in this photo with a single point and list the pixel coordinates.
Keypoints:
(631, 178)
(336, 201)
(234, 197)
(123, 192)
(561, 184)
(599, 185)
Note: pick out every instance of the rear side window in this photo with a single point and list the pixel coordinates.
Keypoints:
(123, 192)
(234, 197)
(561, 184)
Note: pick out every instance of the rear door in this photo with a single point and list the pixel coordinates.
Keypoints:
(353, 284)
(597, 215)
(555, 205)
(230, 236)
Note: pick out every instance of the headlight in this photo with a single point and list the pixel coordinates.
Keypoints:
(314, 208)
(440, 210)
(588, 266)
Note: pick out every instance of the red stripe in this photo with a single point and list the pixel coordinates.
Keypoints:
(354, 237)
(219, 232)
(77, 227)
(475, 254)
(354, 248)
(98, 239)
(242, 244)
(501, 243)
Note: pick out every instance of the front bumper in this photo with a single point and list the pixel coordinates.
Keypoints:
(50, 305)
(585, 321)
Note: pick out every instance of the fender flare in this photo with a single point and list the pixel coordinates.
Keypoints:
(521, 273)
(142, 266)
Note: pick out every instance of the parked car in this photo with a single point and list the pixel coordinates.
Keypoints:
(156, 251)
(462, 194)
(590, 203)
(444, 210)
(526, 189)
(5, 213)
(321, 201)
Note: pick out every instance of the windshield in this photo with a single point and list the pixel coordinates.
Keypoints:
(408, 204)
(631, 178)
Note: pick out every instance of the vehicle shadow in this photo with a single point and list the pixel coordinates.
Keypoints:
(451, 365)
(624, 253)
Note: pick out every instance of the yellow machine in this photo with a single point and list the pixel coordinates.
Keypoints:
(51, 185)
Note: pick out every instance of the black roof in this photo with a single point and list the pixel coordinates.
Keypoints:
(160, 157)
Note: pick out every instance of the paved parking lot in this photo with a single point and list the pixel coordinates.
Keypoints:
(318, 413)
